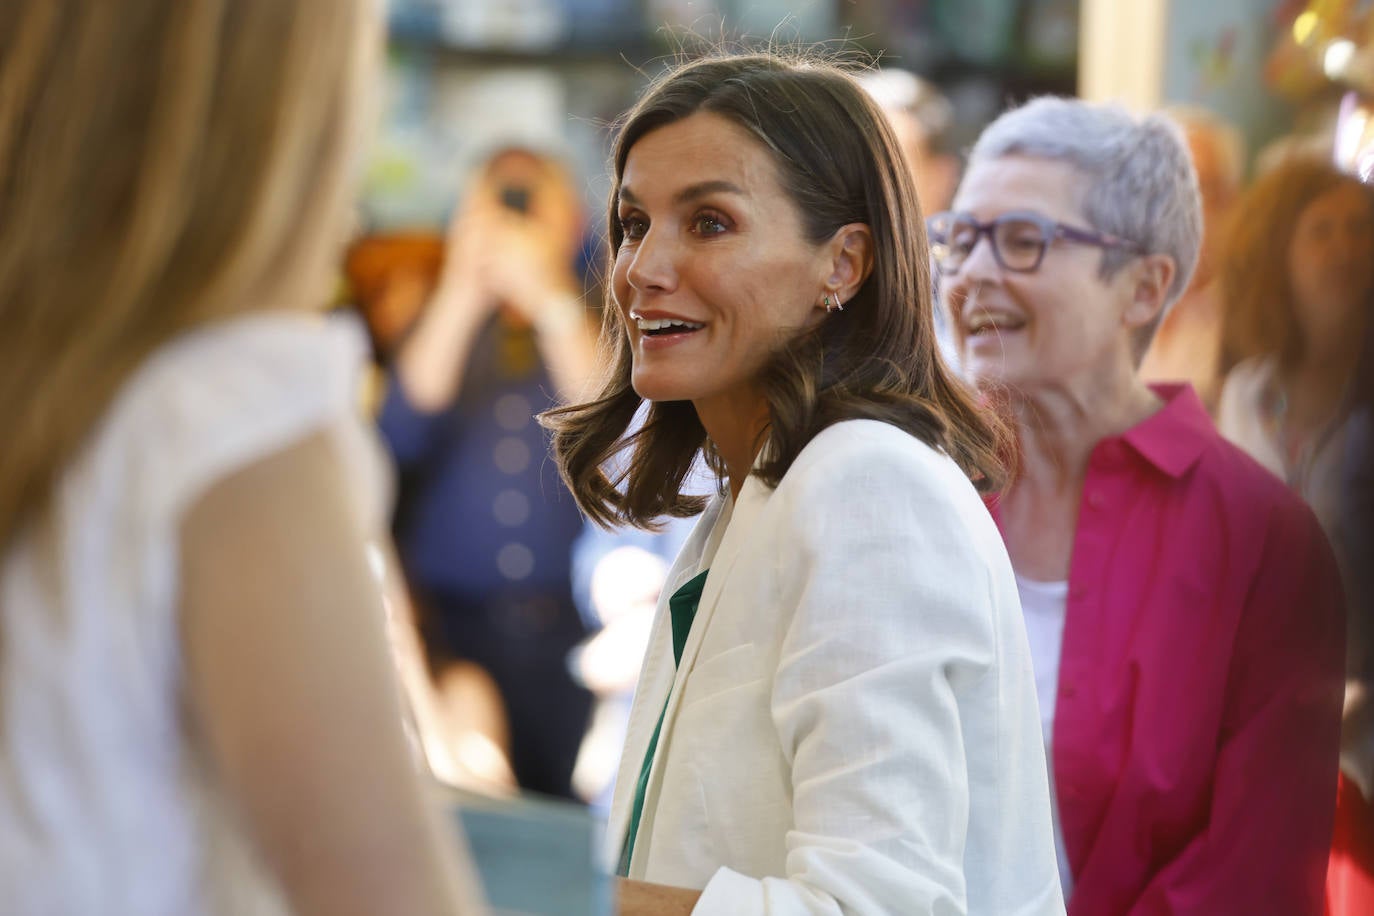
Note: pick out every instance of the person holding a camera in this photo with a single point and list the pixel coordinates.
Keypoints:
(483, 524)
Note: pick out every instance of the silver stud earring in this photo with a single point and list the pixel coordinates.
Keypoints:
(832, 303)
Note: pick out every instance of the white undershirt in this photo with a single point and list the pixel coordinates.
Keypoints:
(1042, 605)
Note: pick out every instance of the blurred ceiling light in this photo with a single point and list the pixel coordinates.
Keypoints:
(1304, 26)
(1337, 58)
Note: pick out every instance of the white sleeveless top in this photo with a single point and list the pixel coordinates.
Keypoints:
(106, 803)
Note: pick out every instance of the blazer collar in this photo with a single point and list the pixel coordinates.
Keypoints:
(659, 677)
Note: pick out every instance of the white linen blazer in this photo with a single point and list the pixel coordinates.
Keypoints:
(853, 727)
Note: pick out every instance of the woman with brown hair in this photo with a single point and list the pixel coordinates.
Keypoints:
(1298, 282)
(836, 709)
(199, 711)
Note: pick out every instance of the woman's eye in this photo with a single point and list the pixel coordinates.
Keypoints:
(708, 224)
(1019, 237)
(633, 227)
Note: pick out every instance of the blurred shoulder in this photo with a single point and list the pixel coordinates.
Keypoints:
(229, 393)
(1243, 494)
(1242, 390)
(1251, 373)
(279, 356)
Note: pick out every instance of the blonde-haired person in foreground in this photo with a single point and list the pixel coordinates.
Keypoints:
(199, 712)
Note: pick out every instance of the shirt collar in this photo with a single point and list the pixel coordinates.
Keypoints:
(1173, 437)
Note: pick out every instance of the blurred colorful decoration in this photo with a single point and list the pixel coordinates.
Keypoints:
(1355, 136)
(389, 278)
(1214, 60)
(1213, 56)
(1319, 43)
(1325, 47)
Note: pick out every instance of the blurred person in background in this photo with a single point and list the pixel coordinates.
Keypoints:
(200, 714)
(1350, 875)
(1299, 282)
(1299, 287)
(1184, 609)
(836, 709)
(484, 526)
(1185, 347)
(920, 116)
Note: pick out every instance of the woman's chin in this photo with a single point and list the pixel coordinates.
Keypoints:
(984, 369)
(657, 390)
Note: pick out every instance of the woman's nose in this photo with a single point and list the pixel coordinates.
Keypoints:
(981, 262)
(653, 264)
(978, 268)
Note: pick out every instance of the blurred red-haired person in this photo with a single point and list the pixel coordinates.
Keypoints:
(1298, 281)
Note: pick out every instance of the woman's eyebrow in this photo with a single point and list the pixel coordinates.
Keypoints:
(689, 193)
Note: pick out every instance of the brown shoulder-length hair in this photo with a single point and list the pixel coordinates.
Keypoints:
(840, 163)
(1259, 311)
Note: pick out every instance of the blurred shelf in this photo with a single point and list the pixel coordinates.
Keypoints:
(423, 34)
(1014, 74)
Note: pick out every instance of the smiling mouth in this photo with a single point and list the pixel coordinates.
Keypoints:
(987, 325)
(665, 327)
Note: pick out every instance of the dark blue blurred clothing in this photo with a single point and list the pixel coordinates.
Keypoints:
(477, 478)
(485, 530)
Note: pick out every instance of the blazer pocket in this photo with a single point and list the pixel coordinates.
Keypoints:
(723, 672)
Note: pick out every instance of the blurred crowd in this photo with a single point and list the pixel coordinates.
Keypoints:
(1222, 297)
(534, 621)
(480, 329)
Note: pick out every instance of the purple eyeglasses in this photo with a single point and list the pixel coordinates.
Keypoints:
(1019, 239)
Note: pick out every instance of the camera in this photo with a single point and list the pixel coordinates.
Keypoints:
(516, 198)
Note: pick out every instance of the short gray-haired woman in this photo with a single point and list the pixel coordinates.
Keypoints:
(1183, 608)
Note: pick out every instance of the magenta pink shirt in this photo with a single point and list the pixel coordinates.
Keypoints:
(1197, 722)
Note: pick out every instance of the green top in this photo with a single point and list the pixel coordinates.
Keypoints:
(683, 608)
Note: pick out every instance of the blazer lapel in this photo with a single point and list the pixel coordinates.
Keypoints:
(655, 680)
(753, 496)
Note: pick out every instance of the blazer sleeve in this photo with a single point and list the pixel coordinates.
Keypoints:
(1265, 846)
(889, 641)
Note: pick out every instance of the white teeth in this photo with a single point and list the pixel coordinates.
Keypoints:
(989, 323)
(647, 324)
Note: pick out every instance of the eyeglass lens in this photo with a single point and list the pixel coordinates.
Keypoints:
(1017, 243)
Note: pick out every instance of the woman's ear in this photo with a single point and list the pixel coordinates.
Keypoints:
(1151, 278)
(850, 253)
